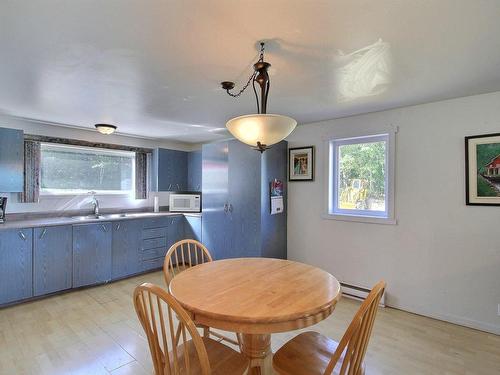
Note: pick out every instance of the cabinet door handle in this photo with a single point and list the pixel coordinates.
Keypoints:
(44, 232)
(230, 207)
(226, 207)
(103, 227)
(178, 187)
(118, 226)
(169, 187)
(22, 235)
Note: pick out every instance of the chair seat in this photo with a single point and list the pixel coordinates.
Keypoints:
(223, 360)
(307, 353)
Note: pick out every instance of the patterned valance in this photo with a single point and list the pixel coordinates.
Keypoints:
(31, 192)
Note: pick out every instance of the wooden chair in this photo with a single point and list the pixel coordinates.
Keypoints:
(183, 255)
(187, 353)
(312, 353)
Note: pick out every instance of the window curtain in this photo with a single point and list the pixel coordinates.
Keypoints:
(31, 192)
(141, 182)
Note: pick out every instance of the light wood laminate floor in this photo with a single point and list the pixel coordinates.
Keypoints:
(95, 331)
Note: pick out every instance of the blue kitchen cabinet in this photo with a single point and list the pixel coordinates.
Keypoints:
(92, 248)
(125, 259)
(194, 171)
(273, 227)
(215, 188)
(192, 227)
(175, 230)
(16, 264)
(11, 160)
(170, 170)
(244, 201)
(236, 198)
(154, 242)
(52, 259)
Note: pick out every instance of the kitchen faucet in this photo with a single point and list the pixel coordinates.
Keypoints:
(95, 204)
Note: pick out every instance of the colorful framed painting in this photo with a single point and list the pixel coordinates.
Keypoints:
(482, 175)
(301, 164)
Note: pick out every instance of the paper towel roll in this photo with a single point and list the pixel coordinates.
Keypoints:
(156, 204)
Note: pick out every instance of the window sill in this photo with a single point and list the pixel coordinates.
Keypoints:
(75, 195)
(361, 219)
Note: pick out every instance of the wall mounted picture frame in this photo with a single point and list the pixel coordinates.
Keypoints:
(301, 163)
(482, 170)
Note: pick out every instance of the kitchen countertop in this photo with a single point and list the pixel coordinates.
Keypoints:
(84, 219)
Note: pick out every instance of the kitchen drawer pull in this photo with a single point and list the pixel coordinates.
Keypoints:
(22, 235)
(44, 232)
(103, 227)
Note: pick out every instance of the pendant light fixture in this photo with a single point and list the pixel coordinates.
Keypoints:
(105, 129)
(259, 130)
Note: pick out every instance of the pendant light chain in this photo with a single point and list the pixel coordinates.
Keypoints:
(252, 76)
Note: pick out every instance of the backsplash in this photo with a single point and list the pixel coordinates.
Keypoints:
(82, 203)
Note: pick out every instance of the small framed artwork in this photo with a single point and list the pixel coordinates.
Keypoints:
(301, 163)
(482, 170)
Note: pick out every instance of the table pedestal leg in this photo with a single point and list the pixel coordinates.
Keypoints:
(257, 348)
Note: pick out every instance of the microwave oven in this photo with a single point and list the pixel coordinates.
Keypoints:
(185, 202)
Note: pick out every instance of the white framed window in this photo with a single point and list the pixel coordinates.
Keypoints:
(360, 180)
(73, 170)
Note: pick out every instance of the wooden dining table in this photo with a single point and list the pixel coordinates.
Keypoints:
(256, 297)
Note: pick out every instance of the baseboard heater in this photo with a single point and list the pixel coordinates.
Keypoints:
(358, 292)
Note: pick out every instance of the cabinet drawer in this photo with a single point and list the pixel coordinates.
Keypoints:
(153, 253)
(152, 264)
(153, 243)
(154, 232)
(155, 222)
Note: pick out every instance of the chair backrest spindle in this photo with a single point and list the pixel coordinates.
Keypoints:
(155, 308)
(355, 340)
(175, 262)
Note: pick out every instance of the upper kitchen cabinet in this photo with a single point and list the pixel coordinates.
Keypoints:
(170, 170)
(11, 160)
(194, 170)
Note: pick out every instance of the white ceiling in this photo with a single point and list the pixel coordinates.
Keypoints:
(153, 67)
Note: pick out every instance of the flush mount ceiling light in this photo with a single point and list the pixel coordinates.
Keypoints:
(259, 130)
(105, 128)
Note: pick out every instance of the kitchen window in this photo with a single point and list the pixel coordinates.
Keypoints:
(361, 178)
(72, 170)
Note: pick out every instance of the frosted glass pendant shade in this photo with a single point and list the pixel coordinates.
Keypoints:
(267, 129)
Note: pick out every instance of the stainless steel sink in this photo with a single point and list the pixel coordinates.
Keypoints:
(112, 216)
(89, 217)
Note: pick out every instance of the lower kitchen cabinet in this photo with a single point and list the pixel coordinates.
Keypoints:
(45, 260)
(192, 229)
(16, 262)
(92, 248)
(126, 244)
(52, 259)
(175, 230)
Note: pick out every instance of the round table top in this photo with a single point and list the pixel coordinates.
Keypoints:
(234, 294)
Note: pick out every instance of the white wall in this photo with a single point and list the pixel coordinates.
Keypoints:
(61, 204)
(442, 259)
